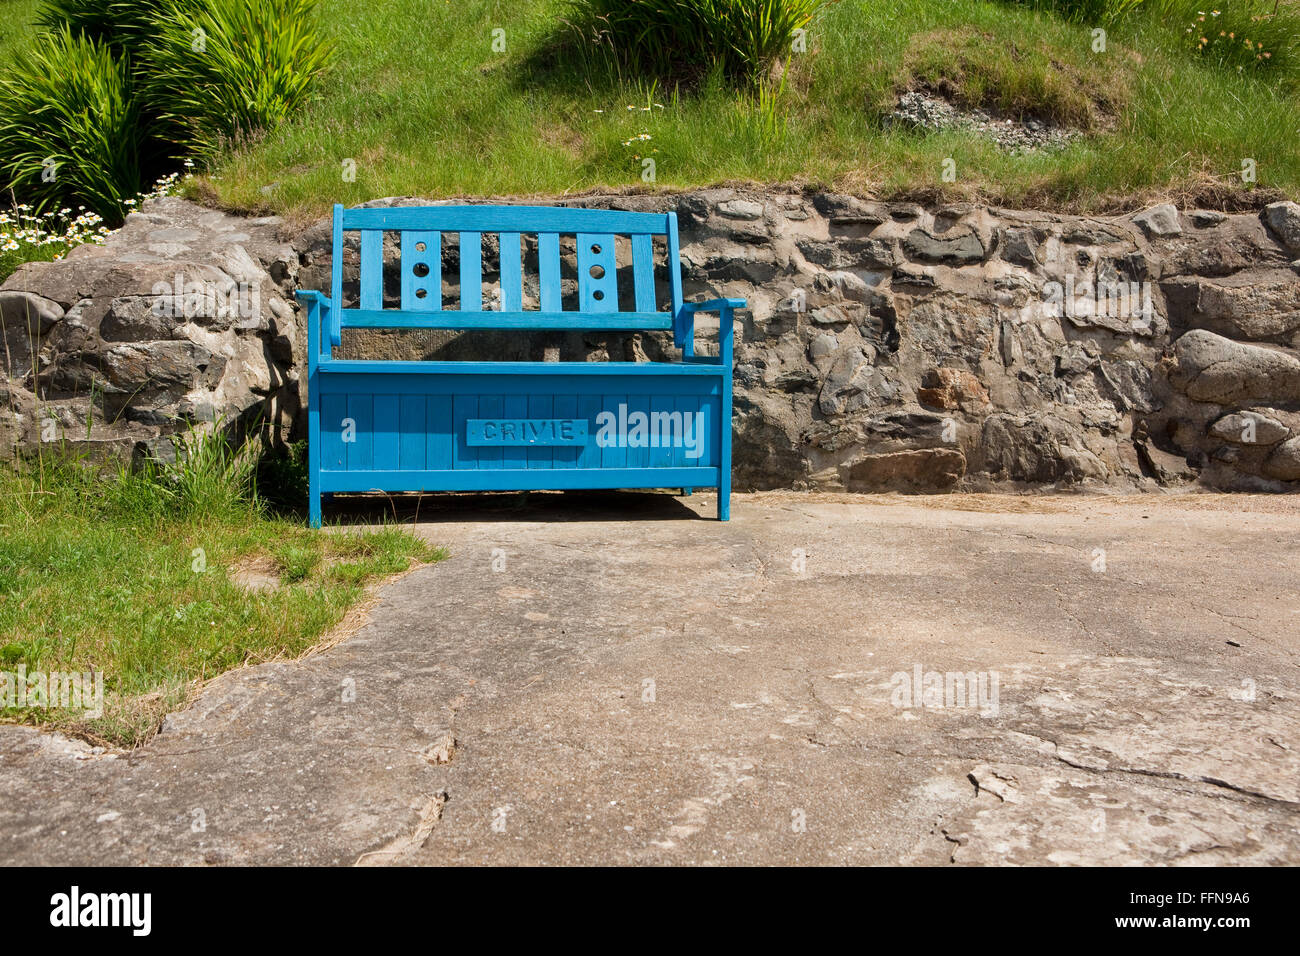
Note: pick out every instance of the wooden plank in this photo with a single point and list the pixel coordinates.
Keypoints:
(529, 219)
(548, 267)
(440, 442)
(372, 269)
(334, 454)
(674, 264)
(361, 450)
(683, 324)
(413, 433)
(545, 319)
(643, 272)
(516, 456)
(491, 456)
(512, 278)
(566, 456)
(435, 377)
(520, 479)
(471, 272)
(687, 406)
(421, 293)
(597, 273)
(665, 431)
(589, 406)
(464, 408)
(614, 455)
(638, 456)
(387, 422)
(336, 260)
(540, 406)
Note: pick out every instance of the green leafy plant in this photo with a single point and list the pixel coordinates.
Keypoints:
(123, 24)
(229, 69)
(687, 39)
(119, 90)
(70, 126)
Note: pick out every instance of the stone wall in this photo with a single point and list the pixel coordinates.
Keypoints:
(886, 346)
(182, 315)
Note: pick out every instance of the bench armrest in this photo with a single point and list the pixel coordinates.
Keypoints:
(321, 309)
(713, 305)
(684, 326)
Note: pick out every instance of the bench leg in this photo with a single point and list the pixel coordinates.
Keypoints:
(314, 498)
(724, 502)
(686, 492)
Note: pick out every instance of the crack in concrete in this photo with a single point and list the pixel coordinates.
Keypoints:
(404, 846)
(1168, 775)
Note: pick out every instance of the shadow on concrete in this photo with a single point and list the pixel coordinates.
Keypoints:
(548, 506)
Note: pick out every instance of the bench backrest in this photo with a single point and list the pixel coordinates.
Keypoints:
(420, 233)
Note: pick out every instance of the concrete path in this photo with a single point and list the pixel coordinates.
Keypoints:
(612, 679)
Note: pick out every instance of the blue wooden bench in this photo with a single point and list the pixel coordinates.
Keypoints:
(403, 426)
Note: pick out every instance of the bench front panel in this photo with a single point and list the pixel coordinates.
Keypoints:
(454, 431)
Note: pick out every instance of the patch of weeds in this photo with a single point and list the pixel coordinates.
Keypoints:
(977, 70)
(282, 479)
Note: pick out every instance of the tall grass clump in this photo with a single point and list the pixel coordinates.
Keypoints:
(228, 69)
(117, 92)
(209, 476)
(70, 126)
(122, 24)
(687, 40)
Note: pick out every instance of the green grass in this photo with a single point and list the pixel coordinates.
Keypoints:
(418, 103)
(447, 116)
(19, 19)
(102, 571)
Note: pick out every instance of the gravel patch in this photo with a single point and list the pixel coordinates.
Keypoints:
(922, 111)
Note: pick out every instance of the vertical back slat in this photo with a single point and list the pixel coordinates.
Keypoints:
(372, 269)
(336, 266)
(512, 279)
(643, 272)
(471, 272)
(597, 293)
(430, 284)
(548, 268)
(680, 322)
(674, 263)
